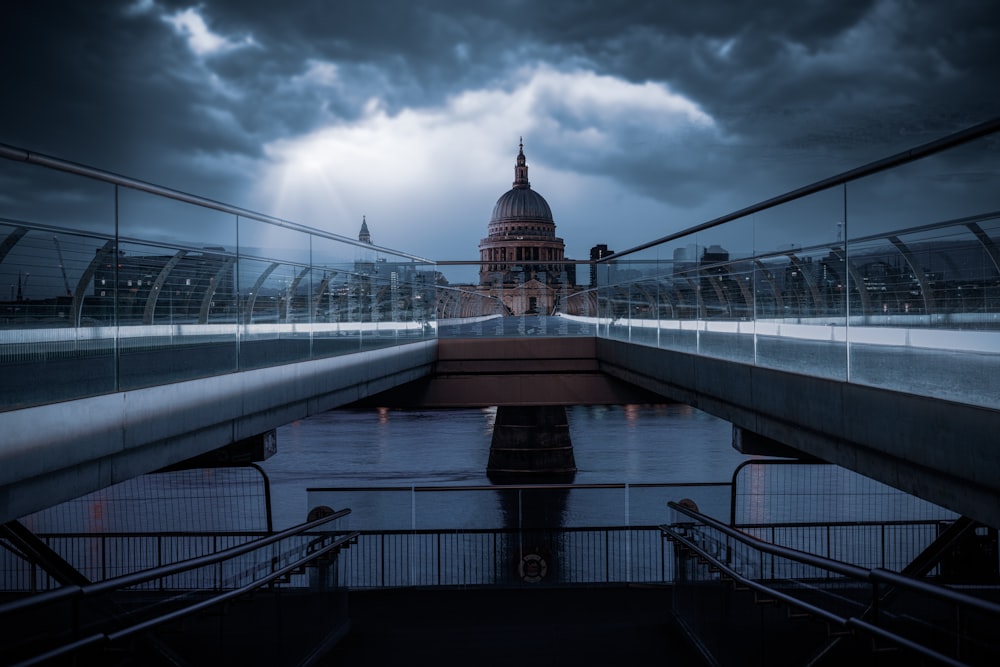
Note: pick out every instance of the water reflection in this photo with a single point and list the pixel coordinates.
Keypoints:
(533, 519)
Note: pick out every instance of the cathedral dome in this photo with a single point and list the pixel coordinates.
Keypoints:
(521, 204)
(522, 261)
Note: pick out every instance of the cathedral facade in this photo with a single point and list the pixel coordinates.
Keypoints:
(522, 261)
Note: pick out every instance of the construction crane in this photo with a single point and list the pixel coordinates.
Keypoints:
(22, 287)
(62, 266)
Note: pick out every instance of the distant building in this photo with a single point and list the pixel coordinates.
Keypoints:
(599, 251)
(188, 286)
(522, 261)
(364, 235)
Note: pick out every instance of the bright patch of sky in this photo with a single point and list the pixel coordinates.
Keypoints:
(320, 73)
(189, 24)
(464, 149)
(140, 7)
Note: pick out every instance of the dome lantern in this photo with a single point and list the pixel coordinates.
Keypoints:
(521, 168)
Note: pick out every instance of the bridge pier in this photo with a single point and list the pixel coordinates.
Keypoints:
(531, 444)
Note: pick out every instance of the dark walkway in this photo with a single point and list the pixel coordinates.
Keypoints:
(522, 627)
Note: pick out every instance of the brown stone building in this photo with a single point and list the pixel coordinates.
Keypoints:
(522, 259)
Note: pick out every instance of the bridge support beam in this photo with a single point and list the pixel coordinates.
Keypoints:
(243, 452)
(753, 444)
(531, 444)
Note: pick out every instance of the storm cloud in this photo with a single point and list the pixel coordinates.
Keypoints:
(638, 118)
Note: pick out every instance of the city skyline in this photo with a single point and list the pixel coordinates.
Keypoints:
(638, 119)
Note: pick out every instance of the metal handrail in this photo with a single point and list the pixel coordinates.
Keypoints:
(870, 576)
(876, 575)
(882, 575)
(102, 637)
(820, 612)
(17, 154)
(236, 592)
(752, 583)
(135, 578)
(924, 150)
(845, 569)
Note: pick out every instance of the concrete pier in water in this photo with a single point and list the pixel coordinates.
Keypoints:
(531, 443)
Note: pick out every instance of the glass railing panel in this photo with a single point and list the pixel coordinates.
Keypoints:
(518, 302)
(512, 303)
(176, 313)
(382, 290)
(924, 243)
(38, 197)
(163, 221)
(113, 287)
(463, 313)
(961, 182)
(380, 305)
(268, 304)
(927, 330)
(337, 314)
(575, 307)
(987, 232)
(175, 290)
(48, 278)
(53, 227)
(374, 300)
(275, 282)
(404, 284)
(679, 304)
(722, 280)
(421, 294)
(582, 307)
(343, 271)
(57, 333)
(629, 298)
(800, 285)
(943, 273)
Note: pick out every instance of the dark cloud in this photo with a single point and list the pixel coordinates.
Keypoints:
(796, 89)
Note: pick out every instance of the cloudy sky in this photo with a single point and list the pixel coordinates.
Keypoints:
(639, 118)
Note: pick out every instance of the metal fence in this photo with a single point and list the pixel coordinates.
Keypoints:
(481, 535)
(145, 522)
(460, 558)
(833, 512)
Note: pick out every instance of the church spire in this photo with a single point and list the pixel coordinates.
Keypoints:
(364, 236)
(521, 169)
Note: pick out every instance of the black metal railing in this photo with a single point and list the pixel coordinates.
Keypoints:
(940, 623)
(88, 616)
(506, 557)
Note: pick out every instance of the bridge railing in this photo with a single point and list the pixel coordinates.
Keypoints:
(108, 283)
(606, 533)
(84, 619)
(553, 534)
(946, 624)
(887, 275)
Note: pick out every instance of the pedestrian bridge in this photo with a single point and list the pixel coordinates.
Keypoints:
(856, 320)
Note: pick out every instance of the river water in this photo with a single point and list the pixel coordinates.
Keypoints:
(421, 475)
(634, 444)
